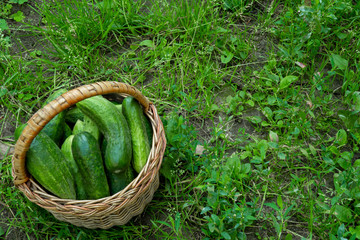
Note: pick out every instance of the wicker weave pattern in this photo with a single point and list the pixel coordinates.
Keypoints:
(106, 212)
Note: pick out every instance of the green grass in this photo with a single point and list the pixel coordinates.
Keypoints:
(270, 89)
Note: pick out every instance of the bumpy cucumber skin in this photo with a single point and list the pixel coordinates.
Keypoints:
(79, 184)
(74, 114)
(55, 128)
(141, 146)
(119, 107)
(91, 127)
(78, 127)
(86, 152)
(87, 125)
(149, 130)
(118, 181)
(47, 164)
(114, 127)
(67, 132)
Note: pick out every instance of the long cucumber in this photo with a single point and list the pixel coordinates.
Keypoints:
(87, 155)
(140, 141)
(114, 127)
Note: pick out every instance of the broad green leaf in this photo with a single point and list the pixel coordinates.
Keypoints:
(341, 230)
(286, 81)
(265, 124)
(282, 155)
(255, 119)
(296, 131)
(271, 100)
(2, 232)
(211, 227)
(245, 154)
(344, 214)
(273, 136)
(338, 62)
(225, 235)
(246, 167)
(226, 56)
(256, 160)
(147, 43)
(216, 219)
(334, 150)
(322, 205)
(341, 35)
(214, 107)
(3, 25)
(3, 90)
(263, 147)
(356, 102)
(250, 103)
(268, 112)
(288, 237)
(355, 231)
(341, 137)
(304, 152)
(18, 16)
(205, 210)
(344, 163)
(273, 206)
(312, 149)
(357, 163)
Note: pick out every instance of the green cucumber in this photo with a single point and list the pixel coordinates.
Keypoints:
(74, 114)
(67, 131)
(47, 164)
(133, 113)
(148, 127)
(87, 155)
(55, 128)
(112, 124)
(67, 151)
(118, 181)
(87, 125)
(91, 127)
(78, 127)
(119, 107)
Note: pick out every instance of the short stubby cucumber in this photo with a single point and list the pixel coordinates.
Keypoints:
(47, 164)
(114, 127)
(87, 155)
(141, 146)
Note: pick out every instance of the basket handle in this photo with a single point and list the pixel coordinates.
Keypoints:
(38, 121)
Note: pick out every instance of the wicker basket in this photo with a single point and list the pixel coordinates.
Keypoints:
(106, 212)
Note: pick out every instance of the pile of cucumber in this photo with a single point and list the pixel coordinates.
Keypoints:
(92, 150)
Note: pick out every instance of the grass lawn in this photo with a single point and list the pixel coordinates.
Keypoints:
(260, 100)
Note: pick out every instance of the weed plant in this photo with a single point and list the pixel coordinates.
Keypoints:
(260, 102)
